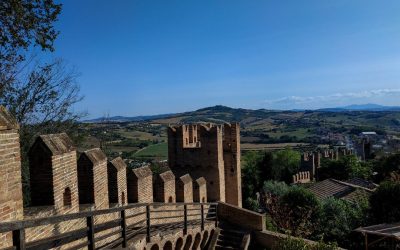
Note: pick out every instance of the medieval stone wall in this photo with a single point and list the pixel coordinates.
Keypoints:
(209, 151)
(11, 207)
(57, 190)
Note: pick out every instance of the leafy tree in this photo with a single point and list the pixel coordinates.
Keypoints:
(276, 188)
(43, 103)
(303, 211)
(338, 219)
(295, 212)
(386, 166)
(250, 177)
(385, 203)
(290, 243)
(286, 163)
(345, 168)
(24, 23)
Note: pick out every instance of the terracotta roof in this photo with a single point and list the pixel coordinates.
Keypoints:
(382, 230)
(201, 181)
(338, 189)
(329, 188)
(7, 121)
(57, 143)
(186, 178)
(167, 176)
(362, 183)
(118, 163)
(142, 172)
(95, 155)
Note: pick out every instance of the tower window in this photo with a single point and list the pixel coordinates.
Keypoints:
(67, 197)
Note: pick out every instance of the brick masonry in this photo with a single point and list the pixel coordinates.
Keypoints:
(117, 187)
(164, 187)
(11, 207)
(209, 151)
(140, 185)
(56, 190)
(200, 190)
(93, 179)
(53, 173)
(184, 188)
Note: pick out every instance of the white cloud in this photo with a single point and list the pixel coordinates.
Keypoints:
(381, 96)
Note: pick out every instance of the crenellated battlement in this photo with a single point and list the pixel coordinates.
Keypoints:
(210, 151)
(63, 184)
(310, 162)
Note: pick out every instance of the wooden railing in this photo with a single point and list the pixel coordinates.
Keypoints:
(123, 231)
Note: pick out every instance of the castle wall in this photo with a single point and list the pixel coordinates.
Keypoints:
(231, 149)
(184, 189)
(203, 159)
(200, 190)
(92, 178)
(11, 205)
(53, 173)
(117, 182)
(140, 185)
(164, 188)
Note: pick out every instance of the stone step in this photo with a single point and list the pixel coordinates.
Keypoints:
(226, 247)
(229, 237)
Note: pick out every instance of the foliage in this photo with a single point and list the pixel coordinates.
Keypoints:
(250, 177)
(385, 203)
(286, 163)
(290, 243)
(345, 168)
(295, 212)
(42, 103)
(338, 218)
(24, 23)
(276, 188)
(387, 166)
(259, 167)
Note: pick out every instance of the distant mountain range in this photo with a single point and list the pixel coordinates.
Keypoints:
(221, 113)
(363, 107)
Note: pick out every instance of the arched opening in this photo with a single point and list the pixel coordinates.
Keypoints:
(67, 197)
(204, 240)
(196, 242)
(179, 244)
(203, 199)
(188, 243)
(168, 245)
(155, 247)
(170, 199)
(123, 198)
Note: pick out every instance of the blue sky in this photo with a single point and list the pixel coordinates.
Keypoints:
(152, 57)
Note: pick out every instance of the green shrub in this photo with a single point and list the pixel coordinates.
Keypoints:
(290, 243)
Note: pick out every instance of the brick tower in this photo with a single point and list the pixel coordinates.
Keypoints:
(209, 151)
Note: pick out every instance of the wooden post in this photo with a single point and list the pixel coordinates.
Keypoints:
(19, 239)
(185, 219)
(123, 227)
(148, 223)
(90, 233)
(216, 215)
(202, 217)
(366, 241)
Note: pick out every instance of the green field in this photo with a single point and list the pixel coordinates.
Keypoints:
(159, 151)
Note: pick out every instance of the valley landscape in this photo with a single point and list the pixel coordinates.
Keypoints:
(145, 138)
